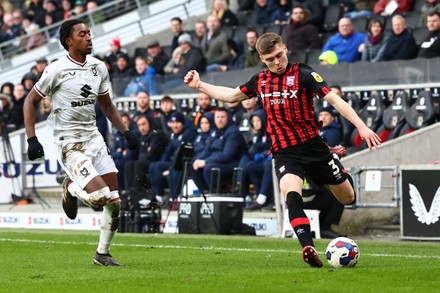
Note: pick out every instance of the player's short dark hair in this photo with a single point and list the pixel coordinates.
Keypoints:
(66, 30)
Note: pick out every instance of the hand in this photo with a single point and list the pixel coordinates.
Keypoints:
(339, 150)
(132, 141)
(258, 157)
(192, 79)
(35, 149)
(371, 138)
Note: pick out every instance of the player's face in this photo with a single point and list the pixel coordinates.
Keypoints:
(81, 39)
(276, 61)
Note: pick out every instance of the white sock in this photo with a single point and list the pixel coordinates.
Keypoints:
(261, 199)
(109, 224)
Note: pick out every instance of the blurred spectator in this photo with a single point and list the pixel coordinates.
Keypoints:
(8, 89)
(51, 6)
(223, 150)
(66, 7)
(237, 60)
(221, 10)
(5, 107)
(121, 74)
(252, 57)
(357, 9)
(401, 45)
(53, 32)
(15, 28)
(36, 39)
(7, 6)
(206, 124)
(244, 125)
(16, 117)
(199, 33)
(98, 16)
(204, 105)
(144, 79)
(300, 34)
(35, 12)
(282, 14)
(152, 145)
(176, 61)
(346, 42)
(157, 57)
(215, 45)
(389, 7)
(317, 11)
(430, 47)
(120, 152)
(176, 28)
(79, 7)
(256, 163)
(374, 45)
(235, 111)
(115, 49)
(143, 107)
(40, 64)
(330, 129)
(427, 7)
(264, 9)
(28, 81)
(162, 171)
(187, 58)
(167, 107)
(328, 57)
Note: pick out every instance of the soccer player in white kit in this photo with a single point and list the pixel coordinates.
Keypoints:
(74, 83)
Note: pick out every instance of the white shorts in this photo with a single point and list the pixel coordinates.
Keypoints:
(83, 161)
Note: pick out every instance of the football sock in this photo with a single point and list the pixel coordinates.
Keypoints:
(109, 224)
(298, 219)
(350, 179)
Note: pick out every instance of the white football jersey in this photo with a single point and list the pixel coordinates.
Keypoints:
(73, 89)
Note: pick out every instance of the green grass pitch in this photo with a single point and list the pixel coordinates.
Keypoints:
(61, 261)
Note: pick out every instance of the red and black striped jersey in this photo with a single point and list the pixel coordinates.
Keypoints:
(287, 100)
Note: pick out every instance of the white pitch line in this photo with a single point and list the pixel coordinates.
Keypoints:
(206, 248)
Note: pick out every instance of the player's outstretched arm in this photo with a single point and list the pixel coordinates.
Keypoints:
(29, 112)
(221, 93)
(371, 138)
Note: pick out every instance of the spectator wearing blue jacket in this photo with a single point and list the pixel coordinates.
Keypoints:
(256, 163)
(330, 130)
(206, 124)
(346, 42)
(224, 150)
(143, 80)
(264, 9)
(162, 172)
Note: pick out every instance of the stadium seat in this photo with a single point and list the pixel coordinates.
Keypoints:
(360, 24)
(347, 127)
(297, 56)
(331, 18)
(313, 56)
(419, 34)
(394, 117)
(420, 114)
(371, 114)
(412, 19)
(246, 17)
(272, 28)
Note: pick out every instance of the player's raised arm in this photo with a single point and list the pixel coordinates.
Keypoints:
(371, 138)
(221, 93)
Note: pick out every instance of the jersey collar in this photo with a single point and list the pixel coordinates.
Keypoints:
(76, 62)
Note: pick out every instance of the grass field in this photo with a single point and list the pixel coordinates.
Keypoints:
(61, 261)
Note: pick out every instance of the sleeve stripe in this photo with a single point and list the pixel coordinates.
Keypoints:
(39, 92)
(103, 93)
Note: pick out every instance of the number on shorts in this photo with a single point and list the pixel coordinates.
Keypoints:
(334, 167)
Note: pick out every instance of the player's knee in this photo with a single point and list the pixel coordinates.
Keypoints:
(99, 198)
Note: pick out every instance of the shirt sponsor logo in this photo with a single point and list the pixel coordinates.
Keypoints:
(317, 77)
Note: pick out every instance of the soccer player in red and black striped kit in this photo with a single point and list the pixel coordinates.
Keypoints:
(287, 91)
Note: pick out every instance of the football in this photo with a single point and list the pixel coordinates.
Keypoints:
(342, 252)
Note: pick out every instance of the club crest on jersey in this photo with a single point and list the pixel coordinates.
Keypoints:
(290, 80)
(317, 77)
(94, 71)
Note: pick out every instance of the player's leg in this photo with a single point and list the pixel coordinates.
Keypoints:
(344, 192)
(291, 186)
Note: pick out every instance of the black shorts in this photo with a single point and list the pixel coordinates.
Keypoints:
(312, 157)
